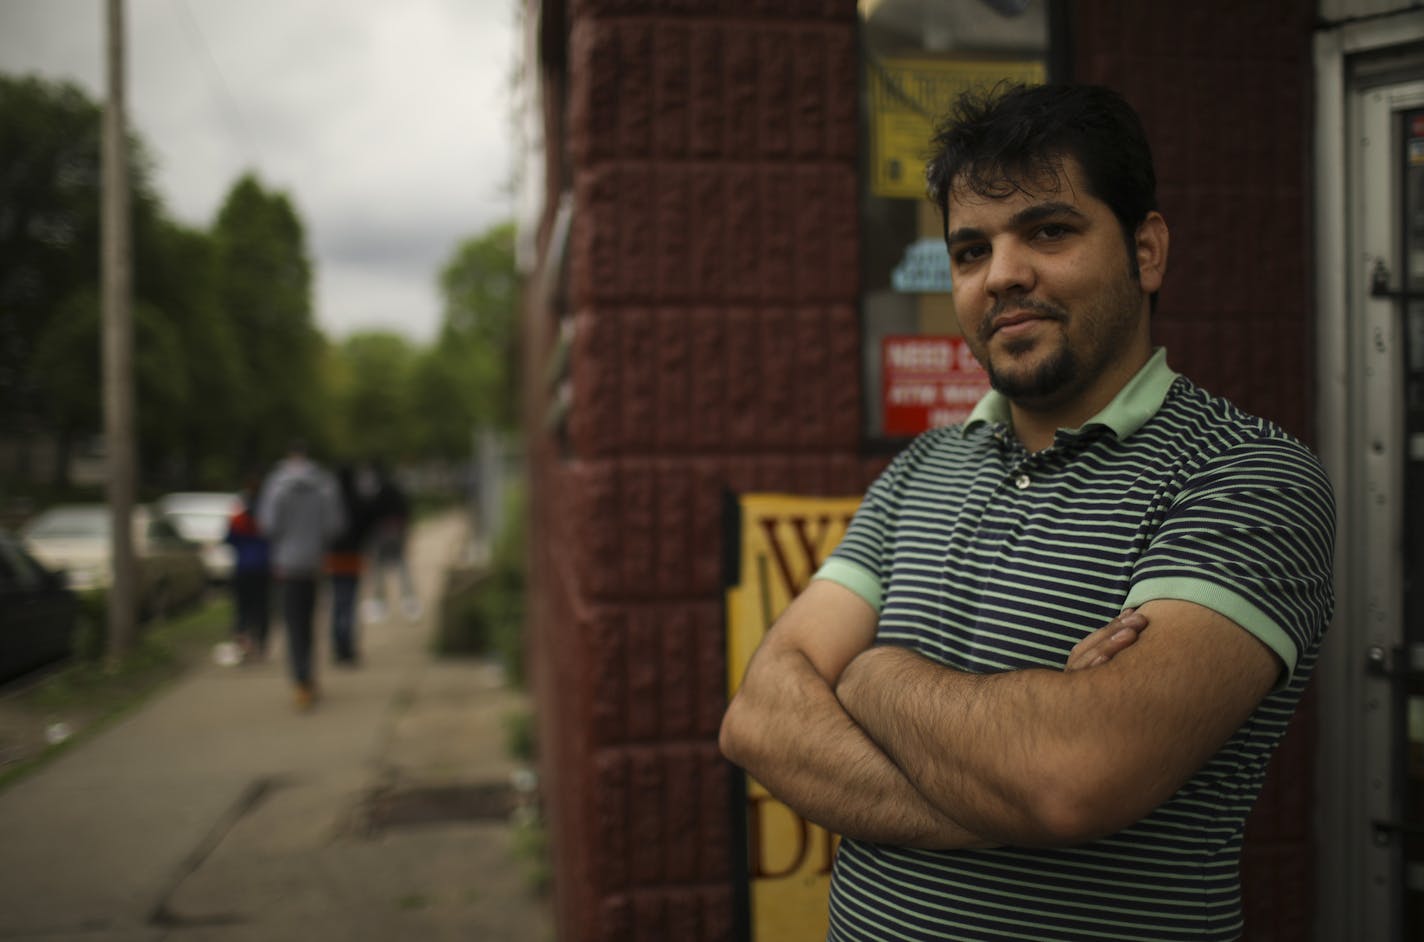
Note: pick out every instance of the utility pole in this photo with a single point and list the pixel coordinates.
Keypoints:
(118, 347)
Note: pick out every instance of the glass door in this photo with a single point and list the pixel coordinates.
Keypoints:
(1389, 232)
(1409, 657)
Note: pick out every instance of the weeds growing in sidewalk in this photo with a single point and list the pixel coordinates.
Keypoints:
(520, 736)
(531, 849)
(483, 610)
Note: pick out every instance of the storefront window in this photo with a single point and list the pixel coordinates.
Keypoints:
(918, 56)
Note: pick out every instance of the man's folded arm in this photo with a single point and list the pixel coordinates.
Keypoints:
(1043, 757)
(788, 730)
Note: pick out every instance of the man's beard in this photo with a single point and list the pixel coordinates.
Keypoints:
(1055, 373)
(1106, 329)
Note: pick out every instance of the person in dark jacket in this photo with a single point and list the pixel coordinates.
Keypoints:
(345, 560)
(251, 577)
(391, 509)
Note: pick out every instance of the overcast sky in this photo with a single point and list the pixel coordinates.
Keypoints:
(387, 122)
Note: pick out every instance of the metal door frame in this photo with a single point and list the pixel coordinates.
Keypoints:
(1360, 76)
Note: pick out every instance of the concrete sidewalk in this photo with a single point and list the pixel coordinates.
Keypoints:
(220, 812)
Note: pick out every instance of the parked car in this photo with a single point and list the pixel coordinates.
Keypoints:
(75, 538)
(38, 612)
(202, 516)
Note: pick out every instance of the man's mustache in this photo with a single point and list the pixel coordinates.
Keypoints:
(1007, 306)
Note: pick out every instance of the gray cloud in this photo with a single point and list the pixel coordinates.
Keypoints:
(387, 123)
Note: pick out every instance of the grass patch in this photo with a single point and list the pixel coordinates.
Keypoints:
(531, 849)
(529, 833)
(85, 695)
(520, 736)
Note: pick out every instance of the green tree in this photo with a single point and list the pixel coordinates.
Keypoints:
(175, 272)
(263, 288)
(68, 357)
(445, 398)
(478, 344)
(49, 282)
(49, 226)
(372, 392)
(65, 362)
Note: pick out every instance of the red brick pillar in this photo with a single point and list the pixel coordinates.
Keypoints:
(713, 291)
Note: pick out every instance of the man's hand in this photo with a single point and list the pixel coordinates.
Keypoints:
(1102, 645)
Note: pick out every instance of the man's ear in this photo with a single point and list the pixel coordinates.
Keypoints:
(1151, 247)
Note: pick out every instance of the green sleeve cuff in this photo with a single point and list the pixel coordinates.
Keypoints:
(1225, 602)
(852, 576)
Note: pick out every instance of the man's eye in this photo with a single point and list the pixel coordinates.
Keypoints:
(1052, 231)
(969, 254)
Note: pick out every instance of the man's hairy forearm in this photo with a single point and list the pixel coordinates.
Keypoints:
(1045, 757)
(788, 730)
(980, 771)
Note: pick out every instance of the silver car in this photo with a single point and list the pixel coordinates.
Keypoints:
(202, 518)
(76, 539)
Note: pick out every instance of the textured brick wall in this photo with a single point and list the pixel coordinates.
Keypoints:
(1224, 90)
(713, 288)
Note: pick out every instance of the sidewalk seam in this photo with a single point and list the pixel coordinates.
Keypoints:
(252, 796)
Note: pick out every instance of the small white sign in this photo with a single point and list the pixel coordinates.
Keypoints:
(923, 270)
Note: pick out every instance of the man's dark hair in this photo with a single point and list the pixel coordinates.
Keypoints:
(1006, 138)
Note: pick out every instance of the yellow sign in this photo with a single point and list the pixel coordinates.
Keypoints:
(784, 540)
(907, 97)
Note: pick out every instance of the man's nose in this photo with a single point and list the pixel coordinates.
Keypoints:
(1010, 270)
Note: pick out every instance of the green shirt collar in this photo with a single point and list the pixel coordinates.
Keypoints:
(1134, 404)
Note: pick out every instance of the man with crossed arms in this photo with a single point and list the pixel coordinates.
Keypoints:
(1037, 685)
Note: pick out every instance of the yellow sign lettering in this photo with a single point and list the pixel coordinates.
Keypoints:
(785, 539)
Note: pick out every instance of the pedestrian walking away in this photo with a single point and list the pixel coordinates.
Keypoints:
(1036, 686)
(345, 561)
(300, 514)
(391, 509)
(251, 576)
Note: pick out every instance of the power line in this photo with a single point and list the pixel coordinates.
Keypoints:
(232, 114)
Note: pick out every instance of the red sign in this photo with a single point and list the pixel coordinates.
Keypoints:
(927, 382)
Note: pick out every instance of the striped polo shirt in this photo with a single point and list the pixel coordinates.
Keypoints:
(986, 558)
